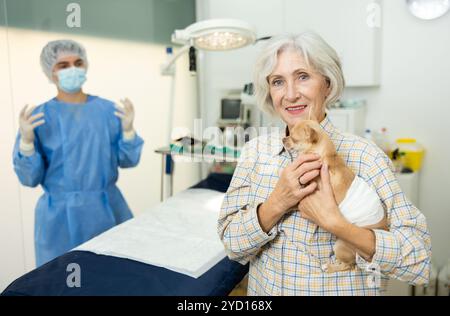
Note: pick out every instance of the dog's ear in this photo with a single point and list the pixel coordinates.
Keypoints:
(312, 135)
(288, 143)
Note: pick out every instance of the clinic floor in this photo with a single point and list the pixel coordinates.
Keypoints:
(241, 288)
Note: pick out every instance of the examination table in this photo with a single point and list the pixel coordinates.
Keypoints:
(109, 275)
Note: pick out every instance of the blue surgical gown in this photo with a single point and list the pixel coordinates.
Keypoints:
(77, 154)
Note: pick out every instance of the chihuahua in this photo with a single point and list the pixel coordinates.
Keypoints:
(358, 202)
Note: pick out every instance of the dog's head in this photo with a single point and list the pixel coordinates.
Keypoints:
(304, 135)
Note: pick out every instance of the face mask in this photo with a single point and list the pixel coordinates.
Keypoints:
(71, 79)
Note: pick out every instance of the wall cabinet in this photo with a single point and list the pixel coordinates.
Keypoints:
(350, 120)
(349, 26)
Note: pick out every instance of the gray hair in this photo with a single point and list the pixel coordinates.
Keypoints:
(55, 49)
(317, 54)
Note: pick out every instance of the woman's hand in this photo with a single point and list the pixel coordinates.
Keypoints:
(293, 185)
(290, 189)
(321, 207)
(28, 122)
(126, 114)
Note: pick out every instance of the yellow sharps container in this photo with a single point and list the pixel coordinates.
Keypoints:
(414, 153)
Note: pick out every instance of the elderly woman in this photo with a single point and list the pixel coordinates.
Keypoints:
(73, 145)
(263, 220)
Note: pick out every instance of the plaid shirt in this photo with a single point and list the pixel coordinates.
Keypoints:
(289, 259)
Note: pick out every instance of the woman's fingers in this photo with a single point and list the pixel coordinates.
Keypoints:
(306, 167)
(303, 158)
(310, 188)
(325, 176)
(308, 176)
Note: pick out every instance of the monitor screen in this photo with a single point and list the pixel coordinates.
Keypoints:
(231, 109)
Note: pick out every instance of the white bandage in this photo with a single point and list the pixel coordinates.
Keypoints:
(361, 205)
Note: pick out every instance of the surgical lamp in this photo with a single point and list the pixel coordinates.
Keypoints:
(210, 35)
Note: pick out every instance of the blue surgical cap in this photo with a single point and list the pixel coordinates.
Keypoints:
(55, 49)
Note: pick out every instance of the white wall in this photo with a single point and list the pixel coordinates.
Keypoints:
(118, 69)
(413, 100)
(12, 253)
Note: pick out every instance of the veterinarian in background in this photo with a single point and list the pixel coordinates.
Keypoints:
(263, 219)
(72, 145)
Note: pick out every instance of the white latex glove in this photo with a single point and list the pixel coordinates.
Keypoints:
(126, 114)
(28, 122)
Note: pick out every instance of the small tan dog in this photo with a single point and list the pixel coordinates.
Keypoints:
(308, 137)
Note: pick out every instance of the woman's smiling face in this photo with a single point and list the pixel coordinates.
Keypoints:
(296, 89)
